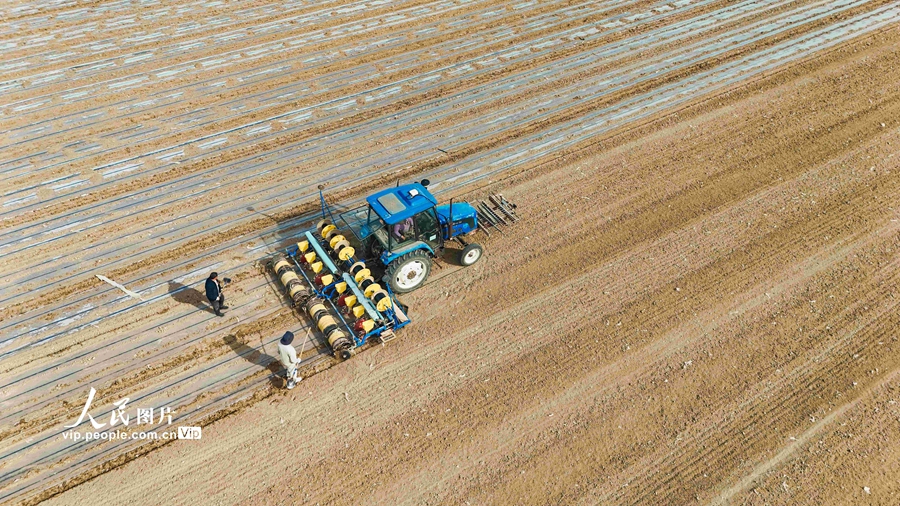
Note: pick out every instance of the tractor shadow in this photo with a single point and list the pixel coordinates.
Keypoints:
(451, 255)
(184, 294)
(257, 357)
(445, 265)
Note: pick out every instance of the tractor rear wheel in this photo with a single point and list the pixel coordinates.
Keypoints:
(409, 272)
(470, 254)
(373, 248)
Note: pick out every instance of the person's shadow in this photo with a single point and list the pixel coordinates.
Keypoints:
(187, 295)
(257, 357)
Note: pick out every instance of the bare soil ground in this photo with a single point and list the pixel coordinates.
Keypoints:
(699, 307)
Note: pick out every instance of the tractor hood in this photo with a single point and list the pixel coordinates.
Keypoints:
(461, 211)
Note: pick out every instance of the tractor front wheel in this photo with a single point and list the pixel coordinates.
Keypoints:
(470, 254)
(409, 272)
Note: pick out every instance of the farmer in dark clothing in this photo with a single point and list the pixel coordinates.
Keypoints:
(214, 294)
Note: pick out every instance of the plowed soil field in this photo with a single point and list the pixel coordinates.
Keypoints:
(698, 304)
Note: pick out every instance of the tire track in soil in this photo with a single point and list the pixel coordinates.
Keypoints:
(573, 222)
(736, 197)
(648, 357)
(564, 440)
(744, 437)
(559, 365)
(789, 450)
(519, 371)
(858, 443)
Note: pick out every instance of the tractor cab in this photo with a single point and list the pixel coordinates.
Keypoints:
(404, 228)
(403, 219)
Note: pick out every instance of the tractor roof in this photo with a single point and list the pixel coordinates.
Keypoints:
(396, 204)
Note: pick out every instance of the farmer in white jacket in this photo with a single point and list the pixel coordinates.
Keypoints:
(289, 359)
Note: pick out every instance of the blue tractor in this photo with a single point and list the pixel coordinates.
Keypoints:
(399, 232)
(404, 228)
